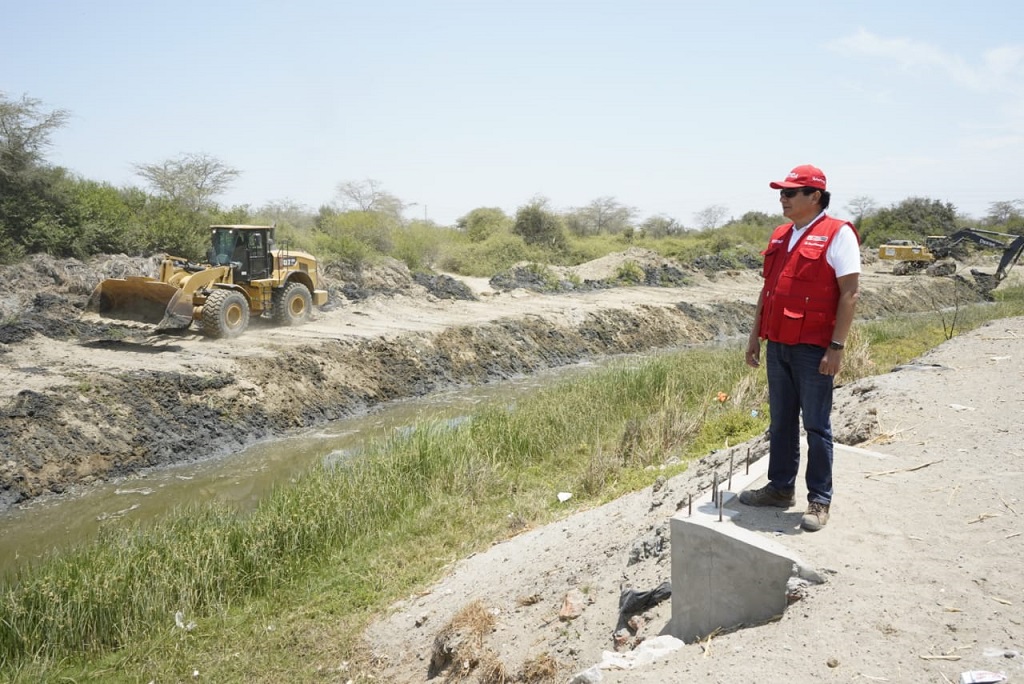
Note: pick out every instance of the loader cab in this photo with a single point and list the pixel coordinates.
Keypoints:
(245, 248)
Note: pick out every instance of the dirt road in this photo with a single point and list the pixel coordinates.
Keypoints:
(81, 401)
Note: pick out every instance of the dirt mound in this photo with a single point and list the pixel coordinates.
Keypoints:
(610, 266)
(40, 273)
(635, 266)
(444, 286)
(357, 282)
(46, 296)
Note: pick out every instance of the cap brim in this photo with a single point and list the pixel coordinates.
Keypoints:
(779, 185)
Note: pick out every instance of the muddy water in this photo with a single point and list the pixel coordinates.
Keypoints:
(240, 479)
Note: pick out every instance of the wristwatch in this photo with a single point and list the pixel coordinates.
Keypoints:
(836, 345)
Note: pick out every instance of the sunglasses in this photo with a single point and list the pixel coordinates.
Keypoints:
(790, 193)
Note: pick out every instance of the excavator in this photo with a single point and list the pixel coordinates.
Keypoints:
(244, 276)
(912, 257)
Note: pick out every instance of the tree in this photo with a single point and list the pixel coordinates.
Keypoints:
(660, 225)
(1007, 216)
(192, 180)
(602, 215)
(710, 217)
(34, 201)
(483, 222)
(1001, 212)
(538, 225)
(25, 129)
(761, 219)
(861, 207)
(369, 196)
(914, 218)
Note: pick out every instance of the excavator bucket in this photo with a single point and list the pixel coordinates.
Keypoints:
(986, 282)
(142, 299)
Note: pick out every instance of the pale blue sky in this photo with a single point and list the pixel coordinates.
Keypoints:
(669, 107)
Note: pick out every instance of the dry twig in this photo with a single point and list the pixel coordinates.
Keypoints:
(983, 517)
(889, 436)
(706, 645)
(952, 494)
(903, 470)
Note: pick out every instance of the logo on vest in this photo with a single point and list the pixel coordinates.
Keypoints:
(817, 238)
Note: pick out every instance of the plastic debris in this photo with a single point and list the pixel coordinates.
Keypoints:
(564, 496)
(982, 677)
(179, 621)
(632, 601)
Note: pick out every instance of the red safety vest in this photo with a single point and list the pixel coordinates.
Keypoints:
(801, 293)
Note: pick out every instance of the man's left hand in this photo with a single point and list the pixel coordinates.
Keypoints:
(831, 362)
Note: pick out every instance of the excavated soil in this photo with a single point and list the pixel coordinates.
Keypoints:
(84, 399)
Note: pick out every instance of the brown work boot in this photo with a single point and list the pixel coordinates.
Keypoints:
(816, 516)
(767, 496)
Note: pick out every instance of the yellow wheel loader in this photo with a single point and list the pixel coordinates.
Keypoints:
(244, 276)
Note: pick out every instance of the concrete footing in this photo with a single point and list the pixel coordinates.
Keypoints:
(725, 575)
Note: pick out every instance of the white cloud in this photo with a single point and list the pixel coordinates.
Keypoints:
(1000, 69)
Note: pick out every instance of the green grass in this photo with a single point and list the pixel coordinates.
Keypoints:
(901, 339)
(283, 593)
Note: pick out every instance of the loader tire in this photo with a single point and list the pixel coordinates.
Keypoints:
(292, 304)
(225, 314)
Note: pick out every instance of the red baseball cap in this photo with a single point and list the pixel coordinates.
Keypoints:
(803, 176)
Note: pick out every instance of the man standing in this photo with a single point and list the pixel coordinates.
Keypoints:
(805, 310)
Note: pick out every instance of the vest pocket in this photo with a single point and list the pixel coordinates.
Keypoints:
(808, 260)
(790, 324)
(804, 327)
(818, 327)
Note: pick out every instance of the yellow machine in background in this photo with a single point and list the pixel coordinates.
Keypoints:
(244, 276)
(905, 250)
(911, 257)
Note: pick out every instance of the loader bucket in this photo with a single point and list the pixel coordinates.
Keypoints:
(144, 300)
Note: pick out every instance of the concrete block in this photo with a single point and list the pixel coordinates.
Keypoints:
(725, 576)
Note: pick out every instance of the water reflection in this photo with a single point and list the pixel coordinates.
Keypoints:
(239, 479)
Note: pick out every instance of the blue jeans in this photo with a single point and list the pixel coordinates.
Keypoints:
(796, 387)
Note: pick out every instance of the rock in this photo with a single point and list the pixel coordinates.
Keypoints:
(623, 640)
(651, 547)
(572, 605)
(591, 675)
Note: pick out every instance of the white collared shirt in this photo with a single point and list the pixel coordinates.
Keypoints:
(843, 253)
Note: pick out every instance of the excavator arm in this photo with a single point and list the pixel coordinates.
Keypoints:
(1010, 256)
(1011, 245)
